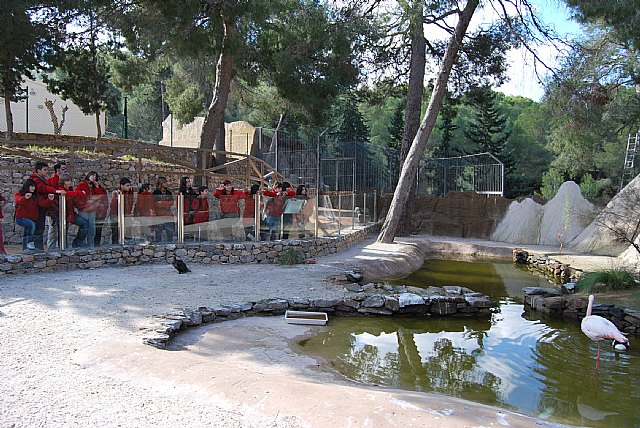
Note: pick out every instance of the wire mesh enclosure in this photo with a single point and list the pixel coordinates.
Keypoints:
(482, 173)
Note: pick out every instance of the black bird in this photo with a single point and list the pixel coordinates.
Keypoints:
(180, 266)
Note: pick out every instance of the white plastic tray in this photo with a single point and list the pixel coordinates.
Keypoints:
(302, 317)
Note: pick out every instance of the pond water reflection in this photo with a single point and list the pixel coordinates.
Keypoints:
(516, 360)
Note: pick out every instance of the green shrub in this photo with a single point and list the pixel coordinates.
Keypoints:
(291, 257)
(551, 182)
(589, 187)
(607, 280)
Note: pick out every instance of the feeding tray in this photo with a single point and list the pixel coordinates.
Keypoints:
(302, 317)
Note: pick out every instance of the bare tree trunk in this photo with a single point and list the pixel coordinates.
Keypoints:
(273, 147)
(214, 120)
(413, 106)
(98, 126)
(7, 109)
(411, 164)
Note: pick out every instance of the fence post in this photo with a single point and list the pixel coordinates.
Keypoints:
(62, 222)
(180, 218)
(121, 225)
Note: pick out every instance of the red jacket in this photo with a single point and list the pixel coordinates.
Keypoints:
(43, 189)
(164, 203)
(69, 198)
(30, 207)
(54, 181)
(274, 207)
(249, 206)
(189, 198)
(128, 203)
(229, 203)
(95, 199)
(201, 208)
(2, 201)
(145, 204)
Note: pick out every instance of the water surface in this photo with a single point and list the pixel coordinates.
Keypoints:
(520, 361)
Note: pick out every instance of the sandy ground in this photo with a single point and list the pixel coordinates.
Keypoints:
(71, 353)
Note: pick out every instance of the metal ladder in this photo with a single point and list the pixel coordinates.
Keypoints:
(629, 160)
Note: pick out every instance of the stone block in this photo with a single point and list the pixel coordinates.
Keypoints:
(443, 308)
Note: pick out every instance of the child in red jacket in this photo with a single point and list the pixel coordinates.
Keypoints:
(28, 208)
(145, 209)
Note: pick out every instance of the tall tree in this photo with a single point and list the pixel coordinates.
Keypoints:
(30, 34)
(487, 129)
(412, 162)
(303, 48)
(448, 126)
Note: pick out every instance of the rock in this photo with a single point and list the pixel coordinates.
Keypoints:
(443, 308)
(451, 289)
(375, 301)
(354, 288)
(354, 276)
(568, 288)
(271, 305)
(541, 291)
(408, 299)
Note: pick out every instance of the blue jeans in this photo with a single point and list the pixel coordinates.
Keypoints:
(168, 230)
(29, 227)
(83, 230)
(90, 219)
(274, 226)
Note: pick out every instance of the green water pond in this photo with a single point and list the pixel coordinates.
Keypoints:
(514, 359)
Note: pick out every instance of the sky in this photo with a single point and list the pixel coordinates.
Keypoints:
(523, 79)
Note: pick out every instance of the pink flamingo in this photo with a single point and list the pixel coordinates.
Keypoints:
(598, 328)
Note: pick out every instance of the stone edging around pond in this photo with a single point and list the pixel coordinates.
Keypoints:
(205, 253)
(546, 265)
(369, 299)
(552, 302)
(561, 302)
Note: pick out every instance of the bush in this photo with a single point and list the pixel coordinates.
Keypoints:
(607, 280)
(589, 187)
(291, 257)
(551, 182)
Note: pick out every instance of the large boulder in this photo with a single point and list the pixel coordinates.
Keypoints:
(620, 212)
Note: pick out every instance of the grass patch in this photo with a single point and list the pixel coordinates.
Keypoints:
(611, 279)
(291, 257)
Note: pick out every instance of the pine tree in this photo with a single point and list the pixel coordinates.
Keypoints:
(396, 127)
(487, 130)
(448, 114)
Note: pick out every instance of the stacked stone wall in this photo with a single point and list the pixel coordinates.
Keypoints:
(204, 253)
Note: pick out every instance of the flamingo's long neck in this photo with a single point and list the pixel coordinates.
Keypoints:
(590, 305)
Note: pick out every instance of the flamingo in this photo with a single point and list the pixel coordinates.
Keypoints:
(598, 328)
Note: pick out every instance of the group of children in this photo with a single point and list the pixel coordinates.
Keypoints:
(88, 207)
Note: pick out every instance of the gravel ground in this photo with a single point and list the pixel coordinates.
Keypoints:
(71, 353)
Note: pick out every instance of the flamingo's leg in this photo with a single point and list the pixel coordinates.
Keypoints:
(598, 356)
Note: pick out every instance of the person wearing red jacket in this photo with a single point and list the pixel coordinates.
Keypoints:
(164, 210)
(145, 208)
(3, 201)
(229, 207)
(70, 197)
(249, 212)
(52, 214)
(91, 205)
(43, 190)
(123, 189)
(274, 207)
(200, 206)
(28, 208)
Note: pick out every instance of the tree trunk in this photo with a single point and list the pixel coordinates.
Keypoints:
(214, 119)
(413, 106)
(412, 162)
(7, 109)
(98, 127)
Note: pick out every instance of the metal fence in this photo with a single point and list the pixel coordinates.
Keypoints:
(482, 173)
